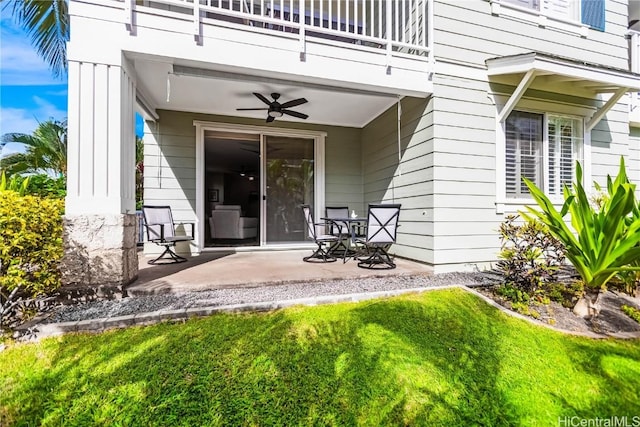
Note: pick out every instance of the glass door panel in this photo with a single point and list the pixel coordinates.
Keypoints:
(289, 183)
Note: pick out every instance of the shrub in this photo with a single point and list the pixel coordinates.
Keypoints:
(530, 255)
(632, 312)
(30, 250)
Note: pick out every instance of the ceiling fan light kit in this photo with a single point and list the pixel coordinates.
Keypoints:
(276, 109)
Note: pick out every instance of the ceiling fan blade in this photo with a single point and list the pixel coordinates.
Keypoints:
(270, 119)
(295, 114)
(262, 98)
(250, 109)
(294, 103)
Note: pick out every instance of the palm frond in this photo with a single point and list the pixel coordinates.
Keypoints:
(47, 24)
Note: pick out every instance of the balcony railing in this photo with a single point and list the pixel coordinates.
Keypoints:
(399, 27)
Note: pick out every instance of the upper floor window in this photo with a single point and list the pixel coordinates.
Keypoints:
(542, 148)
(565, 9)
(587, 12)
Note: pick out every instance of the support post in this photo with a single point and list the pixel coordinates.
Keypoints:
(100, 220)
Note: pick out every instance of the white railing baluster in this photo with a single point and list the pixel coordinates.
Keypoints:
(302, 30)
(364, 17)
(396, 27)
(401, 27)
(403, 21)
(346, 15)
(389, 35)
(380, 32)
(372, 24)
(355, 16)
(423, 6)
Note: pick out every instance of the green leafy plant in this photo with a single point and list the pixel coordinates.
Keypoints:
(632, 312)
(15, 184)
(38, 185)
(530, 255)
(602, 242)
(30, 250)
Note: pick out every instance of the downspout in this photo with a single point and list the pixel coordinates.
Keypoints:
(393, 186)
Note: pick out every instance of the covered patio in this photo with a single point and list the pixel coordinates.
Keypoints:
(220, 270)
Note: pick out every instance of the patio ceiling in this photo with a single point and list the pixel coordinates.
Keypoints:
(192, 88)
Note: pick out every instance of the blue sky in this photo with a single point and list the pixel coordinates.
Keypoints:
(28, 92)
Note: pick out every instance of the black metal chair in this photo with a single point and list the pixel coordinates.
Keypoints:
(320, 254)
(161, 230)
(382, 226)
(340, 229)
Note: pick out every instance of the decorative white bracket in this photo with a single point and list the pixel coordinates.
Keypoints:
(605, 108)
(517, 94)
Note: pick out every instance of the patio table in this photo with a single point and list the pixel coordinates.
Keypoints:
(352, 224)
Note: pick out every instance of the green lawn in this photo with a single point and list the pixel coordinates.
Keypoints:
(438, 358)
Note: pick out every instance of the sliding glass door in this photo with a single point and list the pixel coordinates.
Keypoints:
(288, 183)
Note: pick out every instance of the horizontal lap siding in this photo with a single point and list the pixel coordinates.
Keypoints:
(465, 192)
(409, 183)
(610, 140)
(170, 166)
(343, 168)
(464, 219)
(466, 31)
(170, 175)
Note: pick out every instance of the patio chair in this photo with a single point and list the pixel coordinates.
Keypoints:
(161, 230)
(382, 225)
(340, 229)
(320, 254)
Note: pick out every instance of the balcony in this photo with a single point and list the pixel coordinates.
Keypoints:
(379, 46)
(634, 65)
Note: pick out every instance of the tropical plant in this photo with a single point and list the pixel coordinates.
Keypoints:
(14, 184)
(601, 243)
(46, 150)
(47, 24)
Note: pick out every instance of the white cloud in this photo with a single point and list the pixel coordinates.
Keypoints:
(22, 120)
(20, 65)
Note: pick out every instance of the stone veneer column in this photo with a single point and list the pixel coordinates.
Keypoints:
(100, 250)
(100, 222)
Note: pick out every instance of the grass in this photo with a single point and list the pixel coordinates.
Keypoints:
(439, 358)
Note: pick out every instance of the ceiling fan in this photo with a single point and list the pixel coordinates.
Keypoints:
(276, 109)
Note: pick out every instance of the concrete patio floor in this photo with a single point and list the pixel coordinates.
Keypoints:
(217, 270)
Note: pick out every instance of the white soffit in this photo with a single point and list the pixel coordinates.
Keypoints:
(191, 89)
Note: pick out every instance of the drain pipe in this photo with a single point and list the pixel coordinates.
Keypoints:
(393, 186)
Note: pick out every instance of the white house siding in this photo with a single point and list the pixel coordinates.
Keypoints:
(464, 217)
(170, 164)
(411, 182)
(633, 162)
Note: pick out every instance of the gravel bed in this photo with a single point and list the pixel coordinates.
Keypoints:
(288, 291)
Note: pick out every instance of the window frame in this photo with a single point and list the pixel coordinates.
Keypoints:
(541, 17)
(513, 205)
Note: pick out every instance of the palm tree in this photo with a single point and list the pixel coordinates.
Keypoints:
(46, 150)
(47, 24)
